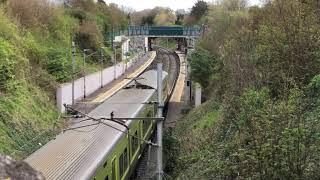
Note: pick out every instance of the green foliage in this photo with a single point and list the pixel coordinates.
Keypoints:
(28, 108)
(199, 9)
(23, 105)
(89, 36)
(203, 66)
(157, 16)
(167, 43)
(185, 143)
(258, 138)
(58, 65)
(7, 65)
(79, 14)
(35, 56)
(262, 67)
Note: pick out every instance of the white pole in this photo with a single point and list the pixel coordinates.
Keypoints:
(101, 72)
(84, 73)
(73, 68)
(114, 63)
(159, 123)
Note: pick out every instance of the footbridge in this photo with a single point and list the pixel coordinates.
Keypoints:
(164, 31)
(184, 35)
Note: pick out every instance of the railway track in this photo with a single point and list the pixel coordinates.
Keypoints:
(170, 61)
(146, 167)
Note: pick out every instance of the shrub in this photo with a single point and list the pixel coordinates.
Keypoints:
(7, 64)
(57, 64)
(31, 13)
(89, 36)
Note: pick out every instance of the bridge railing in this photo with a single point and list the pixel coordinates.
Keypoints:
(172, 31)
(163, 31)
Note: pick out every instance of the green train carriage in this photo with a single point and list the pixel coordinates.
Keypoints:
(102, 152)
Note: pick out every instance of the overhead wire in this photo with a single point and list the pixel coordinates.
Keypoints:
(101, 121)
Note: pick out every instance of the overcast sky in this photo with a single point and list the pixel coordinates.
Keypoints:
(173, 4)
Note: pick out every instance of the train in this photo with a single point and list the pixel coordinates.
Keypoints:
(104, 150)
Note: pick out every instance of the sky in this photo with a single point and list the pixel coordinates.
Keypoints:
(173, 4)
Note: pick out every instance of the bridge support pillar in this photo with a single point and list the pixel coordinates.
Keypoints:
(146, 43)
(197, 95)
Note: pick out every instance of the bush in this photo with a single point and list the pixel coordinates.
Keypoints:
(62, 27)
(89, 36)
(203, 66)
(31, 13)
(58, 65)
(7, 64)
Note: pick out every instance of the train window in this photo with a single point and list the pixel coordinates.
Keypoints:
(125, 158)
(105, 164)
(123, 162)
(114, 169)
(135, 142)
(145, 126)
(121, 165)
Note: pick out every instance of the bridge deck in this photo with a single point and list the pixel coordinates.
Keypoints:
(160, 31)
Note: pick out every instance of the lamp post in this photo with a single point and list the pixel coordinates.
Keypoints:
(84, 69)
(115, 46)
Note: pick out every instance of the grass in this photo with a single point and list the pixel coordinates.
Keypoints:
(207, 120)
(185, 145)
(28, 116)
(29, 120)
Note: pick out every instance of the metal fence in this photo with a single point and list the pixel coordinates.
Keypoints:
(157, 31)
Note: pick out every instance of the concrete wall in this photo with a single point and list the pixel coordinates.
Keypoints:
(87, 85)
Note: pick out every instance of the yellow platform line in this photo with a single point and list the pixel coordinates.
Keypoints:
(177, 92)
(103, 96)
(175, 102)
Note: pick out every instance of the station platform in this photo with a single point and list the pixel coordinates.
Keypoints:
(176, 102)
(98, 97)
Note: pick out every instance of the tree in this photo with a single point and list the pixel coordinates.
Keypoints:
(31, 13)
(199, 9)
(165, 17)
(180, 13)
(233, 5)
(101, 2)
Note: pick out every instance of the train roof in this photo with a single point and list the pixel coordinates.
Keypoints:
(77, 154)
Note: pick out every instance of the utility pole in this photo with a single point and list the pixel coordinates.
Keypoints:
(159, 123)
(73, 68)
(115, 62)
(102, 57)
(113, 55)
(84, 72)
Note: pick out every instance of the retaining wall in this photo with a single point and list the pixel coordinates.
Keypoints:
(85, 86)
